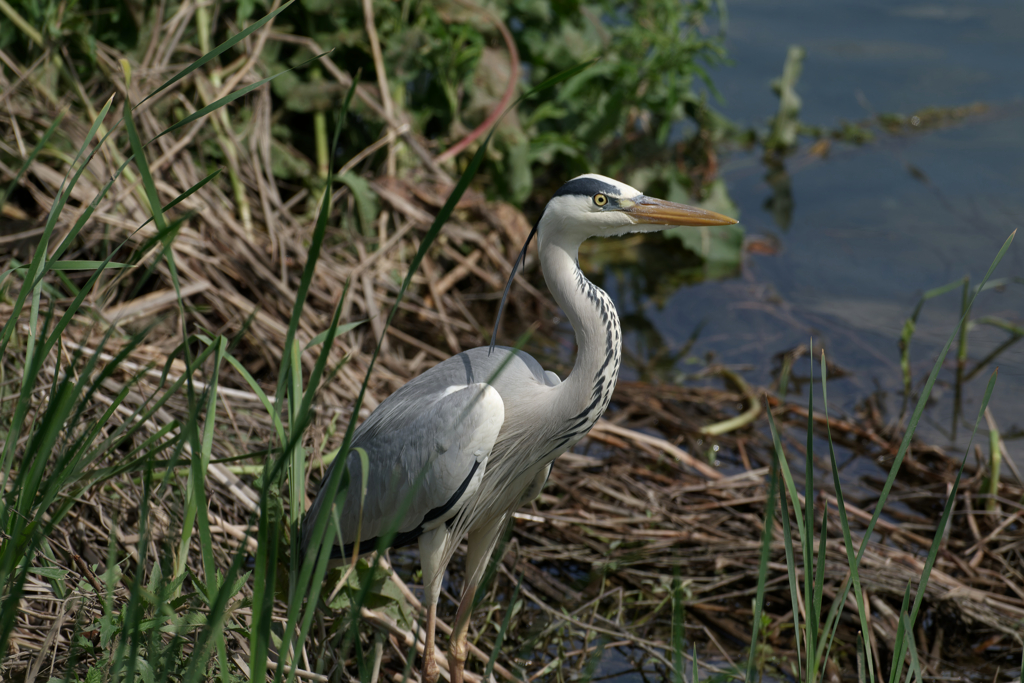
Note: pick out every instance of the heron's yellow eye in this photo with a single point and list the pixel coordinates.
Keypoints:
(600, 199)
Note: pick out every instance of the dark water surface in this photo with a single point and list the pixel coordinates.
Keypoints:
(872, 227)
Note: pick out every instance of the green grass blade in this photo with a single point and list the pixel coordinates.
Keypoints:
(301, 566)
(947, 511)
(862, 645)
(32, 156)
(304, 568)
(919, 410)
(183, 196)
(36, 494)
(322, 532)
(268, 405)
(814, 609)
(817, 590)
(557, 78)
(831, 623)
(806, 533)
(145, 452)
(297, 478)
(310, 566)
(339, 330)
(39, 259)
(201, 464)
(910, 326)
(219, 50)
(678, 628)
(79, 265)
(794, 588)
(214, 627)
(915, 663)
(86, 215)
(142, 164)
(82, 453)
(594, 660)
(195, 502)
(896, 670)
(265, 575)
(74, 306)
(32, 370)
(503, 630)
(312, 256)
(785, 473)
(231, 97)
(844, 522)
(762, 569)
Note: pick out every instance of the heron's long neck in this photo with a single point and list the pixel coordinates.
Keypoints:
(585, 394)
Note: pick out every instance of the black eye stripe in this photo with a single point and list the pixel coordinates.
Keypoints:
(586, 186)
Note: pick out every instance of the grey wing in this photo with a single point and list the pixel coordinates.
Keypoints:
(427, 452)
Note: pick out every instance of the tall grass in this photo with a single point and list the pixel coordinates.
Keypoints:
(175, 622)
(815, 636)
(67, 449)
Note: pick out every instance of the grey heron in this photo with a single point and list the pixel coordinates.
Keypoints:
(459, 448)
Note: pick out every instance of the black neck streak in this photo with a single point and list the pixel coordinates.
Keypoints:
(606, 375)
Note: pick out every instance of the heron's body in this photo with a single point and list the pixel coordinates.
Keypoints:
(460, 441)
(456, 450)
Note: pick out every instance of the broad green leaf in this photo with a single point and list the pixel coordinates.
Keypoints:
(367, 204)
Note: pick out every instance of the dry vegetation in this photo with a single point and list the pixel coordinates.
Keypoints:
(621, 520)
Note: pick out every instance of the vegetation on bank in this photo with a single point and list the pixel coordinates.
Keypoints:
(210, 213)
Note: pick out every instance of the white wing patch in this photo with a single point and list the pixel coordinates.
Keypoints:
(452, 389)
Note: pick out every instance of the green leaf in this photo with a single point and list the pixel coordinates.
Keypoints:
(340, 330)
(85, 265)
(719, 245)
(287, 163)
(49, 572)
(367, 205)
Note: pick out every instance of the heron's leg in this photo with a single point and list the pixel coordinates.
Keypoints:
(457, 648)
(479, 545)
(431, 672)
(431, 552)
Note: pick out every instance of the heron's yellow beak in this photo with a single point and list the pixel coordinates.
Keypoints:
(645, 209)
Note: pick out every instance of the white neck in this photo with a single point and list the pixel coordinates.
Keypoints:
(586, 392)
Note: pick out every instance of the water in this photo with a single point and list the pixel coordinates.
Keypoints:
(872, 227)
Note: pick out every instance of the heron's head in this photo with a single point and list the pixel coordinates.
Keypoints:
(595, 206)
